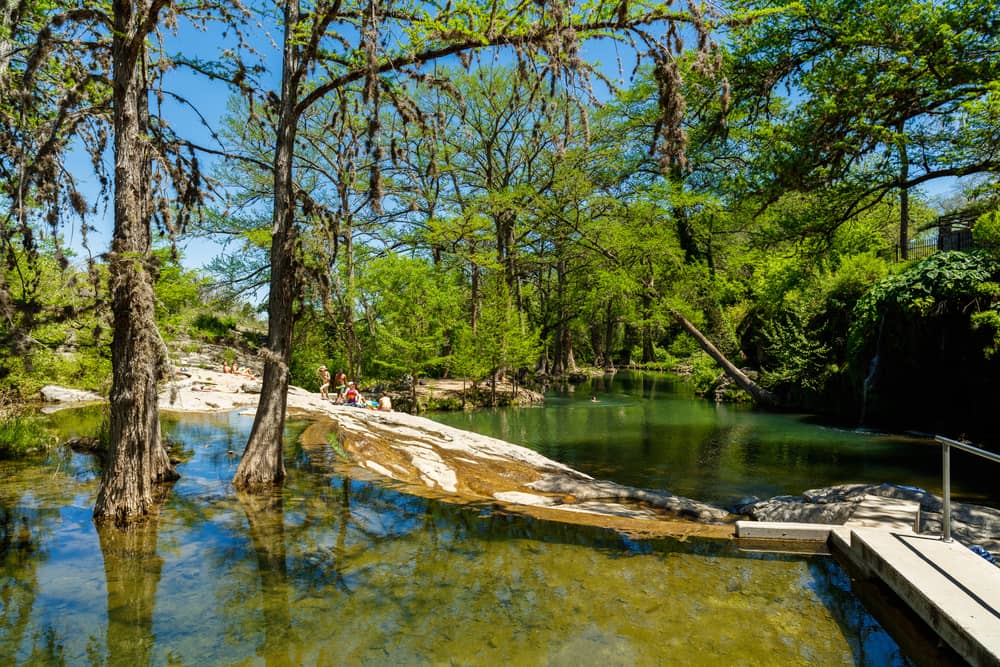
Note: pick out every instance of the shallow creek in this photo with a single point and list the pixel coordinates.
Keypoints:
(346, 568)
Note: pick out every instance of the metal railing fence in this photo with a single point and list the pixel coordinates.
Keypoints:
(946, 445)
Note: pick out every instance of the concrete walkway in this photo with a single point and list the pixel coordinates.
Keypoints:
(954, 591)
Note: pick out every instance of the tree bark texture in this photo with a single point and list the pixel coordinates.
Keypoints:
(563, 339)
(263, 465)
(136, 458)
(758, 393)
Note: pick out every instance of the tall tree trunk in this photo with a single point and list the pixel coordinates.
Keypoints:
(136, 458)
(630, 338)
(609, 336)
(648, 352)
(6, 43)
(475, 296)
(263, 464)
(682, 221)
(597, 342)
(758, 393)
(349, 332)
(904, 193)
(507, 254)
(564, 339)
(571, 366)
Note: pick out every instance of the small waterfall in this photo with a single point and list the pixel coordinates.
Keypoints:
(872, 373)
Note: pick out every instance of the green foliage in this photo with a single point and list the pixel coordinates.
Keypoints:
(957, 285)
(212, 327)
(986, 232)
(800, 357)
(21, 435)
(943, 280)
(704, 372)
(988, 322)
(313, 346)
(852, 279)
(51, 330)
(176, 289)
(503, 338)
(414, 309)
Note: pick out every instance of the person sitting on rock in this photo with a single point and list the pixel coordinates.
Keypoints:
(384, 403)
(352, 396)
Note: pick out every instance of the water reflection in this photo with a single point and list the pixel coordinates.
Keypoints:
(266, 518)
(340, 569)
(132, 569)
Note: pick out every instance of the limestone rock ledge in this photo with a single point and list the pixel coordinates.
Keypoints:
(469, 467)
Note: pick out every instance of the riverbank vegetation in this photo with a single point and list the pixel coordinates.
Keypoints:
(763, 201)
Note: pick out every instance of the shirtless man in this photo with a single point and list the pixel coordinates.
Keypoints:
(324, 383)
(340, 382)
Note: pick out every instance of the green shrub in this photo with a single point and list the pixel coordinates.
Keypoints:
(21, 435)
(212, 327)
(704, 372)
(986, 232)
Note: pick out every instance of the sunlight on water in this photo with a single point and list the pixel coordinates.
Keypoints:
(340, 571)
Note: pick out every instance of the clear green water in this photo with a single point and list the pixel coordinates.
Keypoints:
(647, 430)
(340, 569)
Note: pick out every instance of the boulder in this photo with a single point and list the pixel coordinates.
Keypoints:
(973, 525)
(55, 394)
(797, 509)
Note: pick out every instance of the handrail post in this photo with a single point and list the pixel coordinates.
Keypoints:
(946, 445)
(946, 486)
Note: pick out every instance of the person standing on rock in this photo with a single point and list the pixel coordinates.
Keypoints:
(324, 383)
(340, 383)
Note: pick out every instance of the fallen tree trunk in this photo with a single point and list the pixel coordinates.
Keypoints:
(760, 395)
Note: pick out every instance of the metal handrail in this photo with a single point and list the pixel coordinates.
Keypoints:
(946, 445)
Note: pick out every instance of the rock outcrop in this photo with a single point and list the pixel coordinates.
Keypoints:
(55, 394)
(469, 467)
(972, 525)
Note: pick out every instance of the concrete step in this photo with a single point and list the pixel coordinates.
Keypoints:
(955, 591)
(786, 531)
